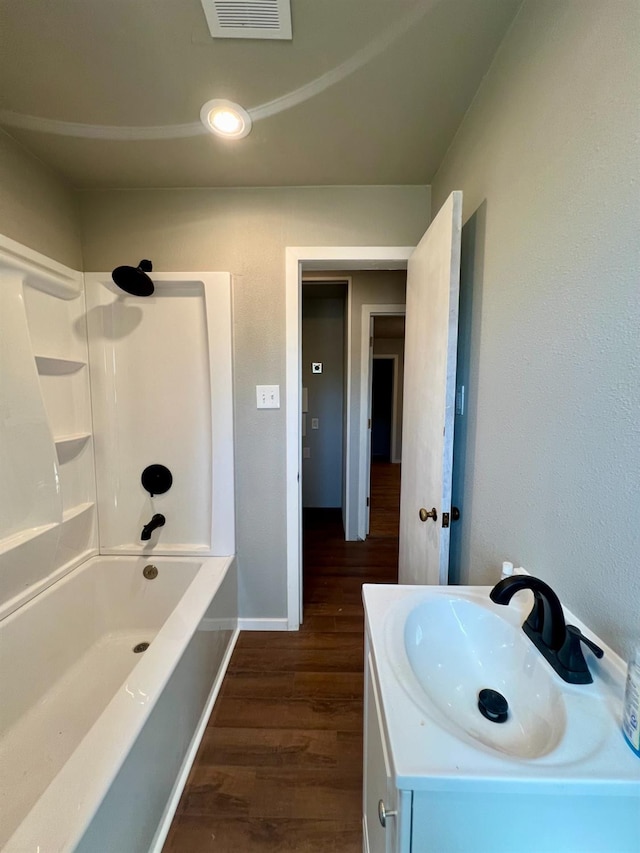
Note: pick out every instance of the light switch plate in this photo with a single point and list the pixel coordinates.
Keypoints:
(315, 423)
(306, 453)
(268, 396)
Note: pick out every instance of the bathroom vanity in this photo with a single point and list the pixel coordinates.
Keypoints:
(439, 776)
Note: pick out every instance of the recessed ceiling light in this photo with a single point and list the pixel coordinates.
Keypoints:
(226, 119)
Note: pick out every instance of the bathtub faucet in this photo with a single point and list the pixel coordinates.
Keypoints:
(158, 520)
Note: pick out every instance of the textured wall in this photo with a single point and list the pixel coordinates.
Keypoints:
(323, 322)
(547, 157)
(36, 207)
(245, 232)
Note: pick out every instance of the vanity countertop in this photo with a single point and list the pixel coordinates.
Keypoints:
(429, 751)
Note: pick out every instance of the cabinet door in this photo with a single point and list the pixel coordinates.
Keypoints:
(378, 784)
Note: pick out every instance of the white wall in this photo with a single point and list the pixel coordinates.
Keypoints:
(246, 231)
(548, 160)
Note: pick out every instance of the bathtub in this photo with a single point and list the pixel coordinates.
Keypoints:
(97, 739)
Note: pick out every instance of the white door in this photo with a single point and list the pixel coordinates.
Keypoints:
(433, 282)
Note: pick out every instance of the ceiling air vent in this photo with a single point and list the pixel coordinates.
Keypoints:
(248, 19)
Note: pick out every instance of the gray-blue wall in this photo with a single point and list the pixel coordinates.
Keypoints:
(323, 341)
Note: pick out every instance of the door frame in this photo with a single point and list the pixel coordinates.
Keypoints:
(309, 258)
(366, 353)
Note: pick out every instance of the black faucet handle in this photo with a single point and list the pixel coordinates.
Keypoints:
(571, 658)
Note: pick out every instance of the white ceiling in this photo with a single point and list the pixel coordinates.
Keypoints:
(108, 92)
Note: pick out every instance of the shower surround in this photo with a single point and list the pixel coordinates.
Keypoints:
(110, 387)
(161, 394)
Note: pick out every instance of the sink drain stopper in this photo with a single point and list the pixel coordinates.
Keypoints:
(493, 705)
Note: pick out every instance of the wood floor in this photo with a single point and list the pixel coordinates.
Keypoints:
(279, 769)
(384, 517)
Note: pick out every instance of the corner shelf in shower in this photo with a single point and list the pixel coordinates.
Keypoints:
(75, 511)
(68, 446)
(9, 543)
(50, 366)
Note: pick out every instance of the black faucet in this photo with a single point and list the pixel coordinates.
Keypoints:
(158, 520)
(557, 642)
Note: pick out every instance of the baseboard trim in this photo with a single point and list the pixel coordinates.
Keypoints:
(263, 624)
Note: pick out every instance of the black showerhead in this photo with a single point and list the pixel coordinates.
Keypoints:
(134, 280)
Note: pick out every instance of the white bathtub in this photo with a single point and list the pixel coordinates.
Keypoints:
(96, 740)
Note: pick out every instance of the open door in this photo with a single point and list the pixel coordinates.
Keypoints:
(433, 283)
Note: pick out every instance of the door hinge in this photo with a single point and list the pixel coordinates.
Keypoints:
(369, 424)
(368, 501)
(445, 519)
(371, 341)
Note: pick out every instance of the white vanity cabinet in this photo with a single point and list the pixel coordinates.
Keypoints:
(382, 802)
(436, 792)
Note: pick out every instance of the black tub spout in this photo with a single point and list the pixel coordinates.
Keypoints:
(158, 520)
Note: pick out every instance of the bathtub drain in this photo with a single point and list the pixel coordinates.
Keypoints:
(141, 647)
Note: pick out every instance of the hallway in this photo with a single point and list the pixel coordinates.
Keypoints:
(279, 769)
(384, 517)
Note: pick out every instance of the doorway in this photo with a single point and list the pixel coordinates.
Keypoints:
(308, 261)
(432, 287)
(382, 335)
(382, 409)
(386, 377)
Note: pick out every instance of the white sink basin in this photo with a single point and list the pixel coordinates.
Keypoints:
(444, 645)
(558, 765)
(456, 648)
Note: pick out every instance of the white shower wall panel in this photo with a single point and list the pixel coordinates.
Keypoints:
(66, 399)
(76, 478)
(47, 493)
(157, 364)
(57, 326)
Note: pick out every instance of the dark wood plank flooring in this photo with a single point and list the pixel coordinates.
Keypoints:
(384, 515)
(279, 769)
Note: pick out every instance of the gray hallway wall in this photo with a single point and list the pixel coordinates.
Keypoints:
(323, 341)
